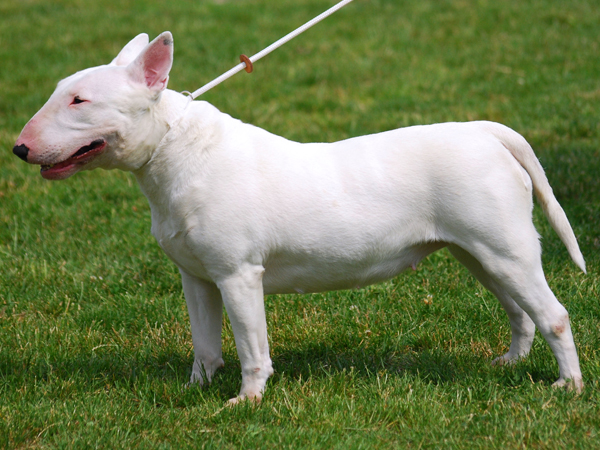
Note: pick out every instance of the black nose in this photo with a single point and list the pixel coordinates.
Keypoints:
(21, 151)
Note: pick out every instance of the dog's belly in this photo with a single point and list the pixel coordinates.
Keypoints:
(302, 271)
(302, 274)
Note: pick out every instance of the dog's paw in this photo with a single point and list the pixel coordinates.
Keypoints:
(506, 360)
(242, 398)
(250, 393)
(199, 382)
(571, 384)
(202, 372)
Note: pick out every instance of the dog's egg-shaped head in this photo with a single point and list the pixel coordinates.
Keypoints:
(101, 117)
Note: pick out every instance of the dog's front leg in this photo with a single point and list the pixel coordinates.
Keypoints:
(205, 308)
(244, 300)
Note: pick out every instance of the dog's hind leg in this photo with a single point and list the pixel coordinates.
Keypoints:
(521, 325)
(205, 308)
(513, 261)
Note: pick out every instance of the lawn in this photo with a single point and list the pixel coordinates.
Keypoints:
(95, 344)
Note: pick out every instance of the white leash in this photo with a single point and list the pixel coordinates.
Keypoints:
(247, 62)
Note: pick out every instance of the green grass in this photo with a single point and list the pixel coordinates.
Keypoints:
(95, 346)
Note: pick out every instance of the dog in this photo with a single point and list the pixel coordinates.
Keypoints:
(244, 213)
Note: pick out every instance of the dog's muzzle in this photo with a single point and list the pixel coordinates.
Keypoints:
(21, 151)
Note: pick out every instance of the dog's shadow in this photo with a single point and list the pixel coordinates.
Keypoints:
(320, 360)
(312, 361)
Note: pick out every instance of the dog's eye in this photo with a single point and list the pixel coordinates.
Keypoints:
(77, 100)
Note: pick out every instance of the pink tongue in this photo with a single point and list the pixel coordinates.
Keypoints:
(66, 163)
(78, 155)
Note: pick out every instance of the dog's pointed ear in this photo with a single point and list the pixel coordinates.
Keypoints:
(153, 64)
(131, 50)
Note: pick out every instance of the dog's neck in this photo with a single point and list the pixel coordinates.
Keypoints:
(151, 129)
(190, 131)
(174, 106)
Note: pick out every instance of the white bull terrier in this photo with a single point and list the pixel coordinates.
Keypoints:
(244, 213)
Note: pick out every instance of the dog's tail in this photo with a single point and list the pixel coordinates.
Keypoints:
(523, 153)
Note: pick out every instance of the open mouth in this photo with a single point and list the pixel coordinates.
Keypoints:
(80, 157)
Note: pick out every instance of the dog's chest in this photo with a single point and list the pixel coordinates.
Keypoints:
(172, 236)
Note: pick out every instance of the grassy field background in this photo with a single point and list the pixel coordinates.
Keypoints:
(95, 345)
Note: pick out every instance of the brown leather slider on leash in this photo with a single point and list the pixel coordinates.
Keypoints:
(249, 67)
